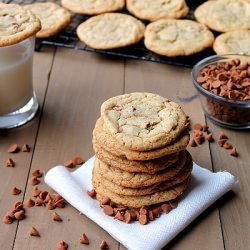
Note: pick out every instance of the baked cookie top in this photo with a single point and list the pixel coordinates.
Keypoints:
(138, 180)
(16, 24)
(93, 7)
(111, 30)
(235, 42)
(105, 140)
(157, 9)
(177, 37)
(52, 16)
(224, 15)
(143, 121)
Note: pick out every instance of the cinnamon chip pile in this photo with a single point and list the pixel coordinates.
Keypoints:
(16, 213)
(127, 215)
(199, 138)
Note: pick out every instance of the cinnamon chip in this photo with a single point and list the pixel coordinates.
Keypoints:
(43, 195)
(84, 239)
(221, 142)
(223, 136)
(143, 210)
(25, 148)
(34, 181)
(56, 217)
(78, 160)
(108, 210)
(119, 216)
(35, 192)
(105, 201)
(7, 219)
(30, 203)
(62, 245)
(199, 139)
(50, 205)
(227, 145)
(13, 148)
(143, 219)
(37, 173)
(150, 216)
(173, 204)
(127, 217)
(234, 152)
(92, 193)
(156, 212)
(18, 206)
(69, 164)
(192, 143)
(197, 126)
(47, 198)
(15, 191)
(60, 203)
(34, 232)
(104, 245)
(209, 137)
(166, 208)
(10, 163)
(19, 215)
(39, 201)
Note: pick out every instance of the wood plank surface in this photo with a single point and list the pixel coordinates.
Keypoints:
(17, 176)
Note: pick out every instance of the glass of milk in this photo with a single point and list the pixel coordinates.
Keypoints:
(18, 102)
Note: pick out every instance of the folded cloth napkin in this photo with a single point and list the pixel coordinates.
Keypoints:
(204, 188)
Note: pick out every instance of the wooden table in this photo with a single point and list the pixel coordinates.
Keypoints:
(71, 85)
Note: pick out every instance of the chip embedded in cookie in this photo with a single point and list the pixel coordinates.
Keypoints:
(111, 30)
(157, 9)
(224, 15)
(93, 7)
(53, 18)
(143, 121)
(16, 24)
(233, 42)
(177, 37)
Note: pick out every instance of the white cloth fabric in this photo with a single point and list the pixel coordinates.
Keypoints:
(204, 188)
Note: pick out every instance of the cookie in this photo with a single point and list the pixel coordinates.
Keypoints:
(16, 24)
(177, 37)
(150, 167)
(110, 30)
(224, 15)
(105, 140)
(143, 121)
(181, 176)
(138, 180)
(233, 42)
(93, 7)
(53, 18)
(139, 201)
(157, 9)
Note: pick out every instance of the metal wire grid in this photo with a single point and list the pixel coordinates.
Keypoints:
(67, 38)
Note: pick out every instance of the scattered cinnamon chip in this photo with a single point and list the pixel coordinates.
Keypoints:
(166, 208)
(43, 195)
(104, 245)
(34, 232)
(143, 210)
(119, 216)
(150, 215)
(7, 219)
(127, 217)
(234, 152)
(197, 126)
(13, 148)
(199, 139)
(37, 173)
(227, 145)
(34, 181)
(173, 204)
(209, 137)
(192, 143)
(47, 198)
(50, 205)
(62, 245)
(84, 239)
(69, 164)
(57, 196)
(92, 193)
(56, 217)
(25, 148)
(223, 136)
(60, 203)
(108, 210)
(221, 142)
(143, 219)
(39, 201)
(18, 205)
(15, 191)
(10, 163)
(156, 212)
(36, 191)
(105, 201)
(19, 215)
(78, 160)
(30, 203)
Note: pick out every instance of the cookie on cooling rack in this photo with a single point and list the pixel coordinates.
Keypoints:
(169, 37)
(53, 18)
(110, 30)
(90, 7)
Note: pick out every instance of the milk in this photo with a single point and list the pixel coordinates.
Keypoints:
(16, 86)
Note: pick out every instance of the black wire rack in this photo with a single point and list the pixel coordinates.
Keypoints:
(67, 38)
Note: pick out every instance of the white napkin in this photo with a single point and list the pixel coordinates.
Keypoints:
(205, 188)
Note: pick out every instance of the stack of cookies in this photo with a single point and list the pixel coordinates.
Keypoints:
(139, 143)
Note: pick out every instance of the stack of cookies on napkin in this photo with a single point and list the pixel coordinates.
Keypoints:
(139, 143)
